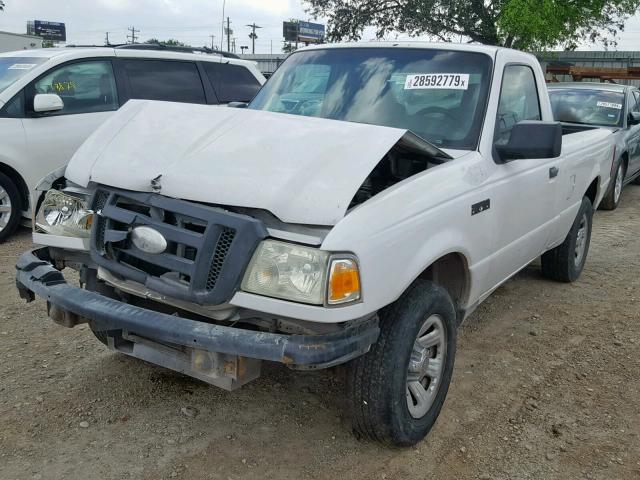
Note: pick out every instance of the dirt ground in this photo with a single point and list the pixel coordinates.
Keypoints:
(546, 386)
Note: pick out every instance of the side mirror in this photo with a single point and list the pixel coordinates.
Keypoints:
(634, 118)
(532, 139)
(47, 102)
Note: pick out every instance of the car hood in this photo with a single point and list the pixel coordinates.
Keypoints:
(303, 170)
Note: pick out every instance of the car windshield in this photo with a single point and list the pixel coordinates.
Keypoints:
(589, 107)
(439, 95)
(13, 68)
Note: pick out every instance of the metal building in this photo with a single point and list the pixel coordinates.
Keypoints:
(15, 41)
(629, 60)
(267, 63)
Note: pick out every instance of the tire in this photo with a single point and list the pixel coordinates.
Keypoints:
(101, 336)
(378, 382)
(566, 262)
(10, 207)
(611, 199)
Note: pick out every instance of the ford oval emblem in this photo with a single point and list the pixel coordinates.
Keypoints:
(148, 240)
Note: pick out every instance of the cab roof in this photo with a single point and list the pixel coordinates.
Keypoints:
(606, 87)
(463, 47)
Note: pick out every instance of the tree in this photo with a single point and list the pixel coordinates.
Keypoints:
(1, 5)
(169, 43)
(288, 47)
(524, 24)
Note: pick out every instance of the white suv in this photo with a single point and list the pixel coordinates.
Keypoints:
(51, 100)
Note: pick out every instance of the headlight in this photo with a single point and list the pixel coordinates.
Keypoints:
(66, 215)
(298, 273)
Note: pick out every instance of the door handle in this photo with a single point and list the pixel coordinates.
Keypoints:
(553, 172)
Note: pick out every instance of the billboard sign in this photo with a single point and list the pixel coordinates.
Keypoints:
(310, 32)
(290, 31)
(54, 31)
(303, 32)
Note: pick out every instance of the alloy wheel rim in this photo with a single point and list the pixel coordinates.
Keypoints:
(426, 366)
(581, 240)
(618, 186)
(5, 209)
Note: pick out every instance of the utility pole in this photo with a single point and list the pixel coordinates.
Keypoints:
(212, 37)
(106, 39)
(229, 33)
(224, 2)
(253, 36)
(133, 36)
(243, 48)
(233, 45)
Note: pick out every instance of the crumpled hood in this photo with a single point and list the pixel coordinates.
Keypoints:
(303, 170)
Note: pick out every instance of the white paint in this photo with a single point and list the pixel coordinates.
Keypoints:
(303, 170)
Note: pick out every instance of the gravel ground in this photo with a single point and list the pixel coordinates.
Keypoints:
(546, 386)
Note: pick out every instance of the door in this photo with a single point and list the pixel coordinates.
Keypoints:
(13, 149)
(633, 134)
(523, 194)
(88, 90)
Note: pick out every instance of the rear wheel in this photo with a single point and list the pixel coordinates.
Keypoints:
(396, 391)
(612, 199)
(566, 262)
(9, 207)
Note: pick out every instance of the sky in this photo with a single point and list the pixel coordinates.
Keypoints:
(190, 21)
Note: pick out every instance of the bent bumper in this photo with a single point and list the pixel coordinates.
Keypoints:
(36, 276)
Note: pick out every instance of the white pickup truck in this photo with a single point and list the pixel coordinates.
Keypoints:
(360, 208)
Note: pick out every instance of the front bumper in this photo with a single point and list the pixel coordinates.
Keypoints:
(36, 276)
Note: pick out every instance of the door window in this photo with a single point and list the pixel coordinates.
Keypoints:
(164, 80)
(518, 101)
(635, 104)
(84, 87)
(14, 107)
(232, 83)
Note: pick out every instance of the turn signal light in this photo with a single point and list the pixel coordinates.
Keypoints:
(344, 282)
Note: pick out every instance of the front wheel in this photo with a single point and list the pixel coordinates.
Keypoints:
(396, 391)
(566, 262)
(612, 199)
(9, 207)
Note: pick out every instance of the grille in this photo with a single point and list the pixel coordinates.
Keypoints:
(207, 251)
(220, 254)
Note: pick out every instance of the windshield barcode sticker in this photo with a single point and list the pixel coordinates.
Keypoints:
(22, 66)
(617, 106)
(442, 81)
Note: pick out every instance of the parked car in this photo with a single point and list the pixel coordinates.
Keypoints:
(359, 225)
(51, 100)
(604, 105)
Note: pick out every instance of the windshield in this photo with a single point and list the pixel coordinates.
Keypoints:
(438, 94)
(590, 107)
(13, 68)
